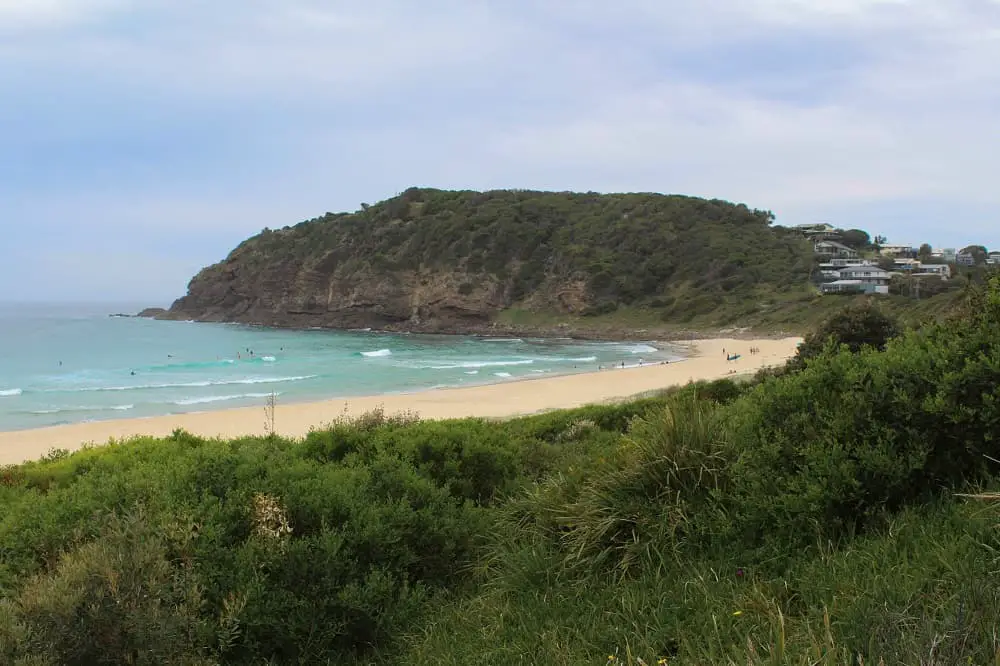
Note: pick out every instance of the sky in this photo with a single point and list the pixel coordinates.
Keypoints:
(141, 141)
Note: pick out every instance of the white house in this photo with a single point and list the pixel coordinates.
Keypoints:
(943, 271)
(993, 258)
(859, 279)
(946, 255)
(895, 250)
(965, 259)
(834, 249)
(902, 264)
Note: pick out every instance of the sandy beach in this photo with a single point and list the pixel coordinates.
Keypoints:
(706, 359)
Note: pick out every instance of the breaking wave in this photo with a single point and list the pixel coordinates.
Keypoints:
(377, 353)
(219, 398)
(10, 393)
(201, 384)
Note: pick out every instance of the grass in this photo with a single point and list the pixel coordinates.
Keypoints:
(793, 312)
(845, 512)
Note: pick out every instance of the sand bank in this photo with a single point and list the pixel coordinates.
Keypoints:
(706, 359)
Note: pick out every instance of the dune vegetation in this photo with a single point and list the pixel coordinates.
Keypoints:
(841, 510)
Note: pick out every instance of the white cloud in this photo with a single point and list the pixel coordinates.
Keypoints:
(30, 14)
(341, 102)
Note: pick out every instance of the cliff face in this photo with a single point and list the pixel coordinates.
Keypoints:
(302, 296)
(430, 260)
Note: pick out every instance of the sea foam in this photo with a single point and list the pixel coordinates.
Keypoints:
(201, 384)
(220, 398)
(10, 393)
(477, 364)
(377, 353)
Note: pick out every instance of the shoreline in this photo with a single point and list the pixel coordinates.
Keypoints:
(706, 361)
(569, 331)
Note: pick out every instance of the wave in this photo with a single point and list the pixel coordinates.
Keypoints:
(192, 365)
(585, 359)
(502, 374)
(643, 349)
(378, 353)
(477, 364)
(10, 393)
(501, 340)
(93, 408)
(201, 384)
(220, 398)
(472, 372)
(268, 359)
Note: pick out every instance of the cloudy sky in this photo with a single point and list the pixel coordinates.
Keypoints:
(142, 140)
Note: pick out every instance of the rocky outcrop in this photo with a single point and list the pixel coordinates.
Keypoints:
(439, 261)
(297, 296)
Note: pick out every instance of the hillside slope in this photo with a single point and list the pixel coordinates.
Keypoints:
(433, 260)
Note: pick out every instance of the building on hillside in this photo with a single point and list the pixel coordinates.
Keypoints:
(831, 248)
(943, 271)
(947, 254)
(858, 279)
(818, 232)
(993, 258)
(965, 259)
(905, 264)
(898, 250)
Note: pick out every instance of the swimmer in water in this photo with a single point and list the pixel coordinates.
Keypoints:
(133, 373)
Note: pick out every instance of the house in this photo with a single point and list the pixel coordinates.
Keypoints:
(840, 262)
(834, 249)
(943, 271)
(993, 258)
(859, 279)
(947, 255)
(965, 259)
(897, 250)
(818, 232)
(901, 264)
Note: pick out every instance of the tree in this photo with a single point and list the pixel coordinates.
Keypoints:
(978, 253)
(856, 238)
(878, 242)
(858, 325)
(924, 253)
(886, 263)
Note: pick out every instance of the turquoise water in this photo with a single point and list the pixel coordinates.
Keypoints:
(70, 364)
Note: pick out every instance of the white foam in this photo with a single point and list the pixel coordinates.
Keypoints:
(478, 364)
(83, 408)
(269, 359)
(202, 384)
(10, 393)
(377, 353)
(643, 349)
(472, 372)
(585, 359)
(502, 374)
(502, 340)
(220, 398)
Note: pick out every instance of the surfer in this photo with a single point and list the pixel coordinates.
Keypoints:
(133, 373)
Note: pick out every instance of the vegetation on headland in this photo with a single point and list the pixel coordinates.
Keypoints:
(835, 512)
(454, 260)
(519, 261)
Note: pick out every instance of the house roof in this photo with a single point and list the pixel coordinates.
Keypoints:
(843, 283)
(839, 246)
(864, 269)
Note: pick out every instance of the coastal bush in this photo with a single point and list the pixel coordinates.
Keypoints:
(806, 518)
(857, 325)
(315, 550)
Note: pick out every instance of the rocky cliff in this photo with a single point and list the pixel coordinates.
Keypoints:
(432, 260)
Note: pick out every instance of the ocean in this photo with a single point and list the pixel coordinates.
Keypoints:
(74, 363)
